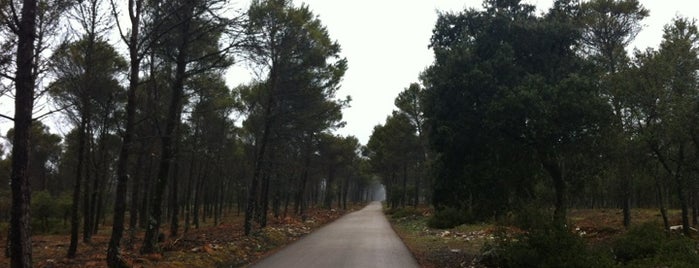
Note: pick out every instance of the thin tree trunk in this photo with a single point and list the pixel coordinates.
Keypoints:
(188, 195)
(329, 188)
(661, 202)
(102, 175)
(169, 139)
(144, 207)
(556, 173)
(300, 209)
(75, 208)
(198, 196)
(253, 193)
(404, 199)
(174, 206)
(681, 193)
(87, 217)
(626, 189)
(264, 200)
(113, 255)
(676, 174)
(417, 187)
(135, 190)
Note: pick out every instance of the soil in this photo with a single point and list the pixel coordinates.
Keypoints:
(223, 245)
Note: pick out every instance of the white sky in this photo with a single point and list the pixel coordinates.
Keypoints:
(385, 43)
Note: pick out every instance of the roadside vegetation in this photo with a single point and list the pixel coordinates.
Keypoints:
(212, 245)
(592, 238)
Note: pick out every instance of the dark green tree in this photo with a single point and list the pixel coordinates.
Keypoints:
(394, 149)
(501, 108)
(86, 73)
(409, 103)
(303, 70)
(609, 27)
(666, 104)
(189, 33)
(337, 154)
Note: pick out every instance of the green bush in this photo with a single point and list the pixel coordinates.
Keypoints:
(43, 207)
(529, 217)
(648, 245)
(448, 217)
(544, 247)
(397, 213)
(680, 250)
(640, 242)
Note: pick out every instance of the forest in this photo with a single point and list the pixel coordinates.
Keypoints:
(520, 114)
(524, 117)
(157, 139)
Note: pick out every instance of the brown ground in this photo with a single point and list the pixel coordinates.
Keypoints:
(208, 246)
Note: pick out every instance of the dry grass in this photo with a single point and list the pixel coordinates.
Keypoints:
(208, 246)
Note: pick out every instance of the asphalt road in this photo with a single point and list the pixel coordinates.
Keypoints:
(359, 239)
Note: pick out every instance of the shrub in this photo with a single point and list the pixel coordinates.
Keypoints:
(680, 251)
(43, 207)
(544, 247)
(448, 217)
(397, 213)
(640, 242)
(668, 251)
(529, 217)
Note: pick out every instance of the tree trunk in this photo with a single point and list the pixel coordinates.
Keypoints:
(329, 188)
(174, 206)
(264, 199)
(300, 209)
(345, 193)
(259, 159)
(198, 196)
(87, 216)
(559, 184)
(113, 255)
(20, 221)
(168, 140)
(677, 176)
(188, 194)
(661, 202)
(75, 208)
(626, 190)
(404, 198)
(417, 187)
(683, 205)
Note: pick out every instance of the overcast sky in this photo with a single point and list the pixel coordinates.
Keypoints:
(385, 43)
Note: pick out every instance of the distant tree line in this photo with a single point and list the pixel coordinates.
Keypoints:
(549, 111)
(156, 138)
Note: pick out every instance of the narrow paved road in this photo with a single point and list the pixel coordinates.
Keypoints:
(359, 239)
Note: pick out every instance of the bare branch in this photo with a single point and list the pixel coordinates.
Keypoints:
(7, 117)
(15, 19)
(115, 13)
(38, 118)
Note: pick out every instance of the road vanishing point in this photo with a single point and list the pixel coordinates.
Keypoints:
(360, 239)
